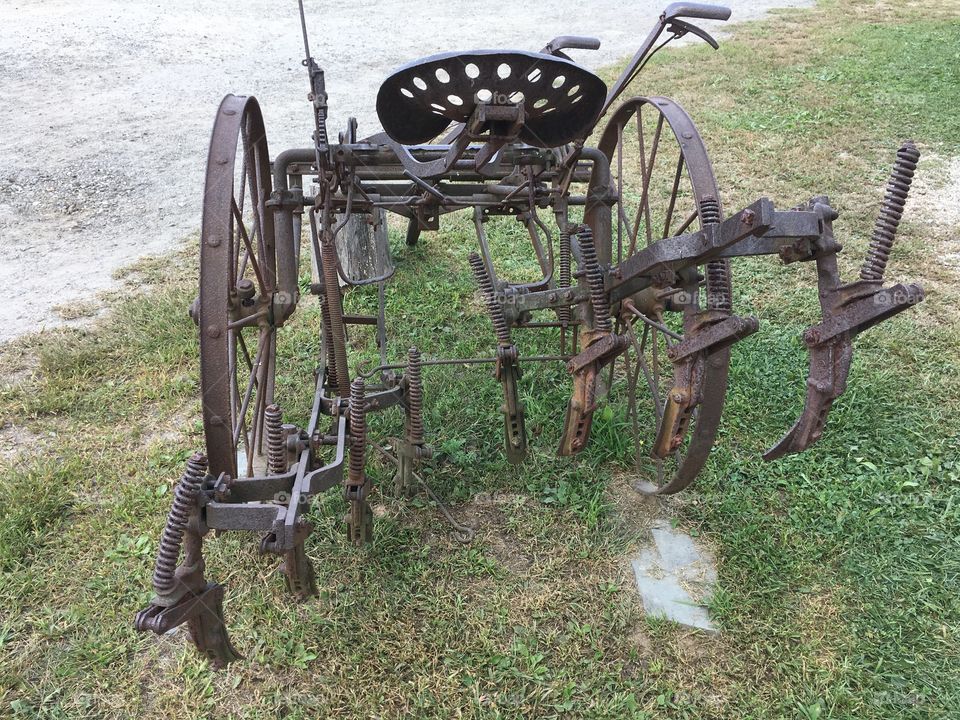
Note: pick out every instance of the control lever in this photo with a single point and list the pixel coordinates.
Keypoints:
(570, 42)
(679, 28)
(701, 11)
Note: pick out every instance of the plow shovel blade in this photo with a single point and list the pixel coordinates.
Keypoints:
(829, 365)
(203, 613)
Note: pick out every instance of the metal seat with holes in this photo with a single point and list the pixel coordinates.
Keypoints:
(561, 100)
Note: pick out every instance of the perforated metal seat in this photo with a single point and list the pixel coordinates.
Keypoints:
(561, 100)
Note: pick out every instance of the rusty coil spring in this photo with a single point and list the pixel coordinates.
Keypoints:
(276, 452)
(719, 286)
(331, 287)
(500, 326)
(563, 311)
(358, 430)
(184, 502)
(891, 210)
(331, 357)
(414, 397)
(598, 298)
(709, 211)
(322, 135)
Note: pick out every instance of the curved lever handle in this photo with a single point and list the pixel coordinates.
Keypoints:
(681, 28)
(695, 10)
(570, 42)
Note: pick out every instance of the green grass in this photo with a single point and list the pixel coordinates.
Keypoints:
(838, 569)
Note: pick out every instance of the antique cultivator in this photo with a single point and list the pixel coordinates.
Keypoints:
(632, 252)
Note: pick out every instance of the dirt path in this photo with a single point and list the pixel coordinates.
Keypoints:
(105, 111)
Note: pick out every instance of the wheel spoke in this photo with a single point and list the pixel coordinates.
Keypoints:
(246, 353)
(632, 378)
(256, 195)
(232, 371)
(651, 383)
(246, 241)
(654, 324)
(646, 184)
(261, 402)
(687, 222)
(620, 214)
(248, 321)
(655, 365)
(643, 176)
(244, 134)
(617, 329)
(251, 383)
(673, 196)
(646, 171)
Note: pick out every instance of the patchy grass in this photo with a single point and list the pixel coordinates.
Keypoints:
(838, 569)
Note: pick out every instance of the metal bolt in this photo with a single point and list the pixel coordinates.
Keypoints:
(245, 288)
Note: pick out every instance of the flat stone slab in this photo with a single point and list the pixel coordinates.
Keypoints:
(675, 578)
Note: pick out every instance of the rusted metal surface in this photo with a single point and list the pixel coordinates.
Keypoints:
(234, 304)
(183, 593)
(848, 310)
(507, 368)
(633, 252)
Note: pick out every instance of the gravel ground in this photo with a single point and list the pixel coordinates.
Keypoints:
(106, 108)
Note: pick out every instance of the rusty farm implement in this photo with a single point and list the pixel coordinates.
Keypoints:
(633, 253)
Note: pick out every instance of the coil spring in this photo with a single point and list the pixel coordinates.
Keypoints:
(184, 502)
(598, 298)
(500, 326)
(331, 357)
(891, 210)
(322, 136)
(331, 286)
(709, 211)
(276, 452)
(563, 312)
(719, 286)
(358, 430)
(414, 397)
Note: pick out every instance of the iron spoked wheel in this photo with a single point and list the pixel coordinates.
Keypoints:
(665, 187)
(237, 285)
